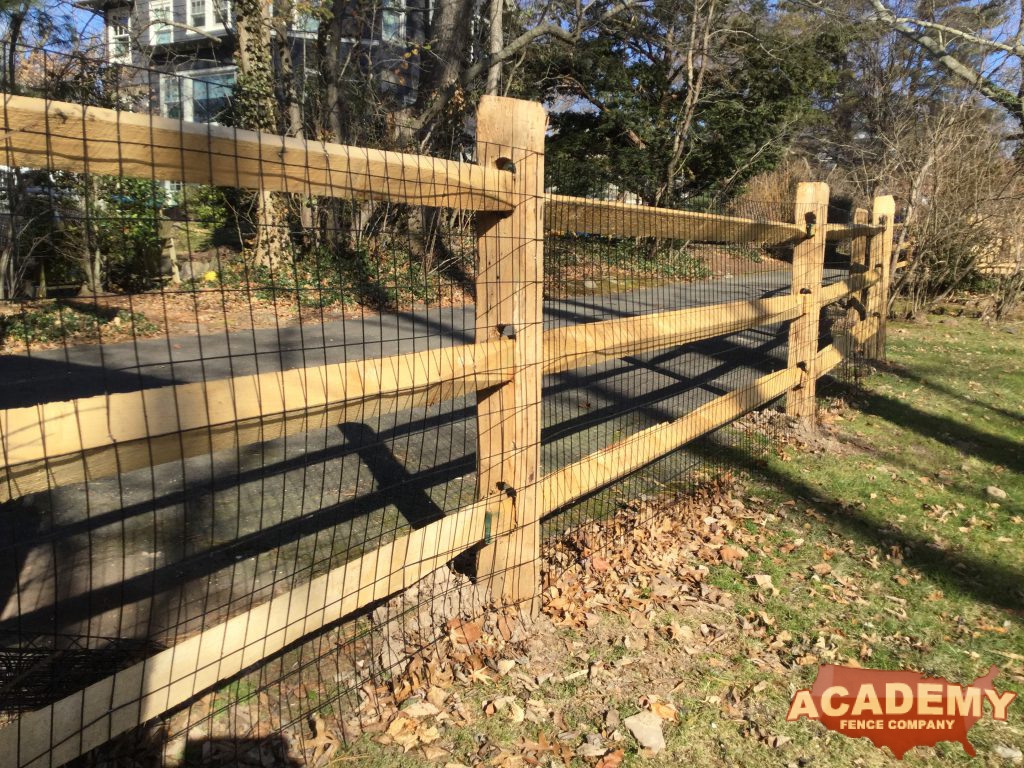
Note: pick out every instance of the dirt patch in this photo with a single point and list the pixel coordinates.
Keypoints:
(781, 431)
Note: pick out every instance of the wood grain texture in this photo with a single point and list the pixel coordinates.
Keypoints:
(607, 465)
(582, 345)
(54, 135)
(859, 246)
(67, 442)
(855, 231)
(600, 217)
(56, 734)
(851, 285)
(509, 295)
(883, 213)
(808, 270)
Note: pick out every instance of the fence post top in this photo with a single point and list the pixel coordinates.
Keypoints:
(520, 124)
(489, 101)
(812, 191)
(883, 205)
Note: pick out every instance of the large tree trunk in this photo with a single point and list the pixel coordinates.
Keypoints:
(496, 41)
(256, 109)
(291, 99)
(449, 33)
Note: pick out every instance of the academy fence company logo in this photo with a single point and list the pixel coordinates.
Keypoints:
(899, 710)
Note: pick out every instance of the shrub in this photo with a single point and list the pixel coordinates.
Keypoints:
(60, 322)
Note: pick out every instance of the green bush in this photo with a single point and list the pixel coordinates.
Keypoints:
(60, 322)
(640, 258)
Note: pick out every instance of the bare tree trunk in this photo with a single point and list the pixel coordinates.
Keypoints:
(496, 42)
(255, 109)
(913, 204)
(291, 99)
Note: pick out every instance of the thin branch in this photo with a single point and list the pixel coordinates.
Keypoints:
(986, 86)
(1016, 49)
(552, 31)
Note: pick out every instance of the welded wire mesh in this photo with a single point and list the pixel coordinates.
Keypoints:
(659, 379)
(844, 259)
(193, 300)
(214, 301)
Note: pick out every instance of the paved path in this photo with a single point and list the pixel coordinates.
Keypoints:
(213, 535)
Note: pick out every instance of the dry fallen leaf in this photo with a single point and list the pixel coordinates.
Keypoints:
(612, 759)
(731, 554)
(431, 752)
(663, 709)
(436, 696)
(465, 632)
(427, 734)
(420, 709)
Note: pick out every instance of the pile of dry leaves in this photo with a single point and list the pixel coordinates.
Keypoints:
(627, 605)
(625, 583)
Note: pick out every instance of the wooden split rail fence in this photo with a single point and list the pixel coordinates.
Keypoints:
(69, 442)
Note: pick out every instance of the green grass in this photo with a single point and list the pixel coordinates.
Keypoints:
(927, 570)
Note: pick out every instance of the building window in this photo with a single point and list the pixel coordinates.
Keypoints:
(160, 17)
(223, 13)
(211, 95)
(393, 25)
(119, 35)
(197, 12)
(197, 97)
(171, 102)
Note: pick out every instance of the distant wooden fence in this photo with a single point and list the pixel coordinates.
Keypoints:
(85, 439)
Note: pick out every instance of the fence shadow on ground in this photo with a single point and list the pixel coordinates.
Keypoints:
(225, 753)
(957, 571)
(963, 437)
(394, 485)
(905, 373)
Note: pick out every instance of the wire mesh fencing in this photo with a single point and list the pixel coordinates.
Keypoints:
(260, 392)
(652, 378)
(225, 393)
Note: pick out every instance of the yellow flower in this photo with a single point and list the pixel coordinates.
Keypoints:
(210, 277)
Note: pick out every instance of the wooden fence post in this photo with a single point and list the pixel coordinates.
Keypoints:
(883, 211)
(859, 264)
(808, 270)
(509, 303)
(859, 245)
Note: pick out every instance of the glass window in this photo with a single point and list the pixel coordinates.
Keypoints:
(197, 10)
(211, 95)
(223, 12)
(393, 25)
(160, 14)
(120, 35)
(171, 102)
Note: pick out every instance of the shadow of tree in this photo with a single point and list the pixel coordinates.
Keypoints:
(956, 570)
(966, 439)
(903, 372)
(232, 752)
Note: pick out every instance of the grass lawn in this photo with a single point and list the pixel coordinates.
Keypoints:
(893, 541)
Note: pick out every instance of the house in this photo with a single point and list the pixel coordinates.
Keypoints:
(186, 48)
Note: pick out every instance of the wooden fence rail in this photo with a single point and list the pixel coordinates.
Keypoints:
(78, 440)
(60, 136)
(611, 219)
(90, 438)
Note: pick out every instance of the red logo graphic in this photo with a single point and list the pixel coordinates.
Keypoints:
(898, 710)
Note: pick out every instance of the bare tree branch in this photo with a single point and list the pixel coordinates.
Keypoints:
(551, 30)
(986, 86)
